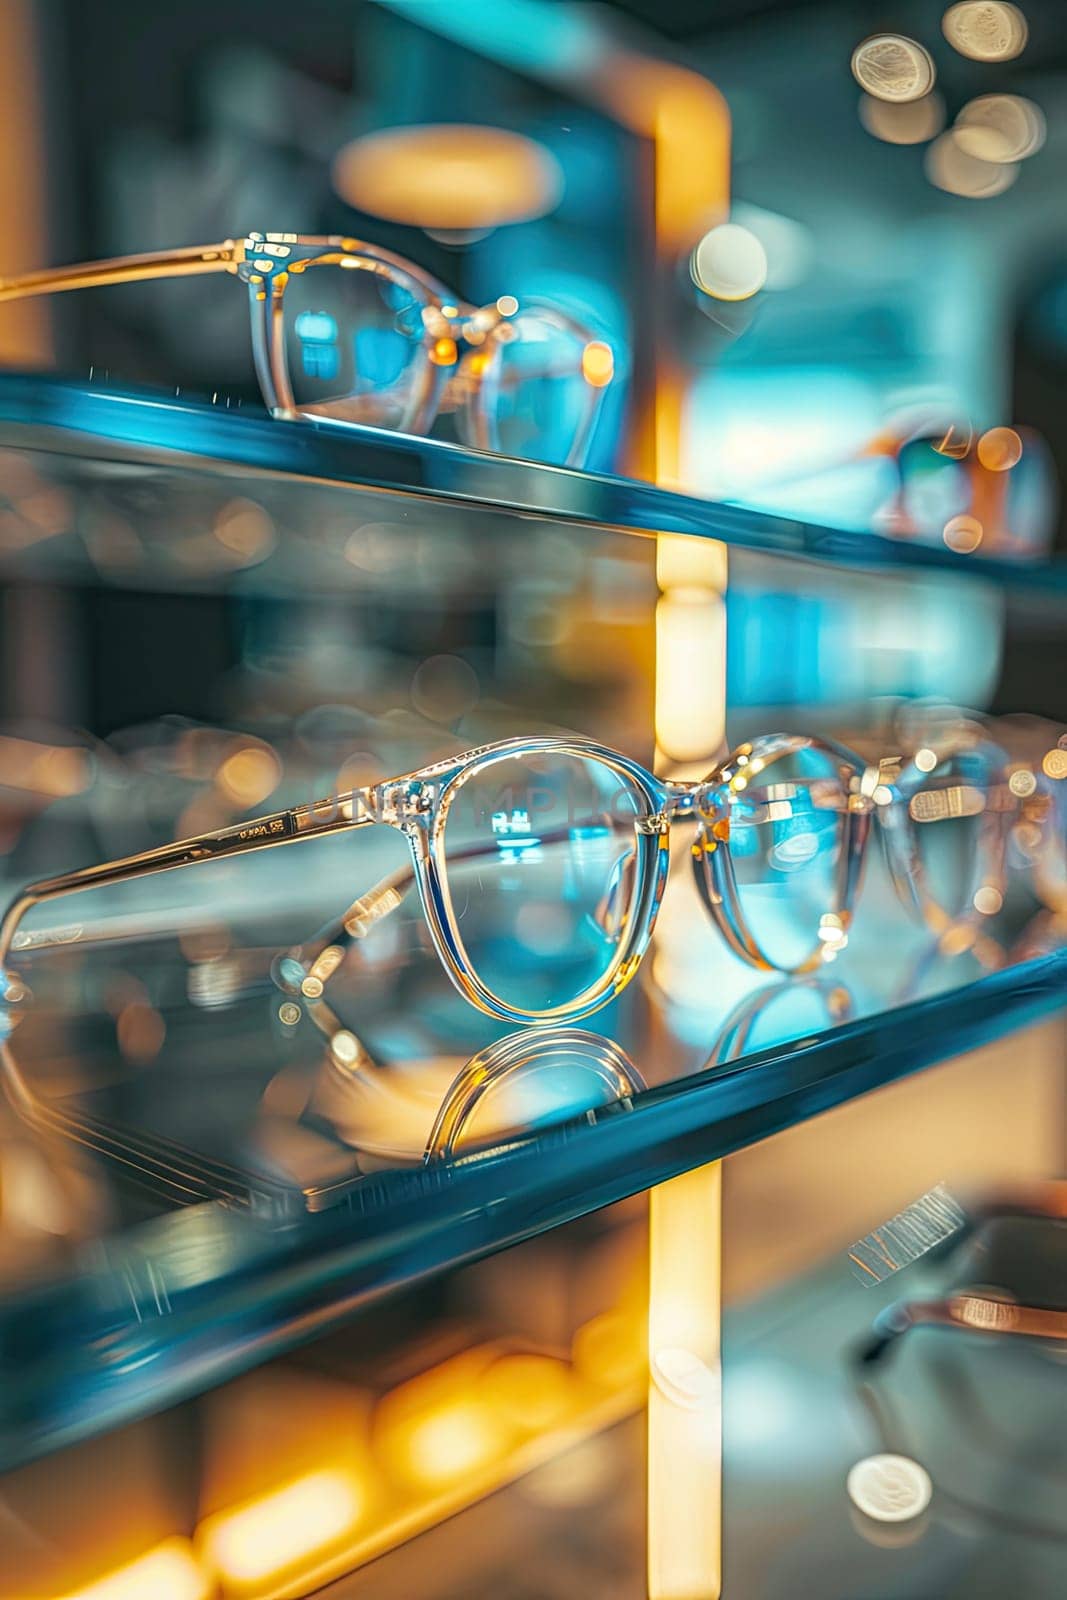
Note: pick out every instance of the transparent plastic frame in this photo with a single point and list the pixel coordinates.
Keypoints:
(457, 342)
(419, 803)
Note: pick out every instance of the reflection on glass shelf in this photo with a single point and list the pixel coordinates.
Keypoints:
(386, 1448)
(201, 1160)
(164, 1041)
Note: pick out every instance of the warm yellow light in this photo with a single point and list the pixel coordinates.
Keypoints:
(963, 534)
(686, 563)
(598, 364)
(249, 1543)
(690, 674)
(729, 263)
(250, 774)
(533, 1391)
(441, 1427)
(610, 1350)
(169, 1572)
(985, 30)
(1054, 764)
(684, 1396)
(452, 1440)
(1000, 449)
(54, 771)
(452, 177)
(444, 353)
(892, 67)
(910, 122)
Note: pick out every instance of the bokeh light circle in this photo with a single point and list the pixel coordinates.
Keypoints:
(963, 534)
(1000, 127)
(449, 176)
(729, 263)
(999, 449)
(985, 30)
(952, 169)
(892, 67)
(445, 688)
(907, 122)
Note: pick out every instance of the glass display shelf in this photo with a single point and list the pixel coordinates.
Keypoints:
(97, 425)
(243, 1175)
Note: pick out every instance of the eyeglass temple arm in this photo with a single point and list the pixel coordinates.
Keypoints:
(970, 1311)
(1042, 1198)
(352, 810)
(224, 257)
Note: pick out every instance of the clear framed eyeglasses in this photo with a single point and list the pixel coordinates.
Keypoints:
(541, 863)
(344, 330)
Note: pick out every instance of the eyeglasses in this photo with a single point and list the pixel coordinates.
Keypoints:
(344, 330)
(996, 490)
(541, 863)
(1027, 1297)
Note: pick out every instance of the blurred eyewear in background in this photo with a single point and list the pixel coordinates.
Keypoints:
(1023, 1288)
(346, 331)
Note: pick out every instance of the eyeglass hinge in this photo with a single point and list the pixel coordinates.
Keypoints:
(404, 805)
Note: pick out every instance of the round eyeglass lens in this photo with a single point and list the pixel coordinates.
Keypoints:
(951, 818)
(354, 343)
(543, 863)
(535, 391)
(786, 832)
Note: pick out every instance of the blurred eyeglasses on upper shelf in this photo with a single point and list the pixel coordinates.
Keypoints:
(346, 331)
(925, 477)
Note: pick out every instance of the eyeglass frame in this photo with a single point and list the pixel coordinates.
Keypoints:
(979, 1309)
(418, 804)
(454, 332)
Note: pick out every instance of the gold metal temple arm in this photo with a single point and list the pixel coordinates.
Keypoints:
(303, 822)
(224, 257)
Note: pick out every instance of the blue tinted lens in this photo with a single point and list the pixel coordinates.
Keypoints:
(785, 843)
(542, 863)
(354, 342)
(538, 394)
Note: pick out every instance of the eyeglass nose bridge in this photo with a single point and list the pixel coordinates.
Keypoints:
(685, 797)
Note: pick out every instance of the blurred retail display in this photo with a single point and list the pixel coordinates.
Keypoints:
(471, 1205)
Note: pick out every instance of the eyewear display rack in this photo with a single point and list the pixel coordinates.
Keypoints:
(181, 1302)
